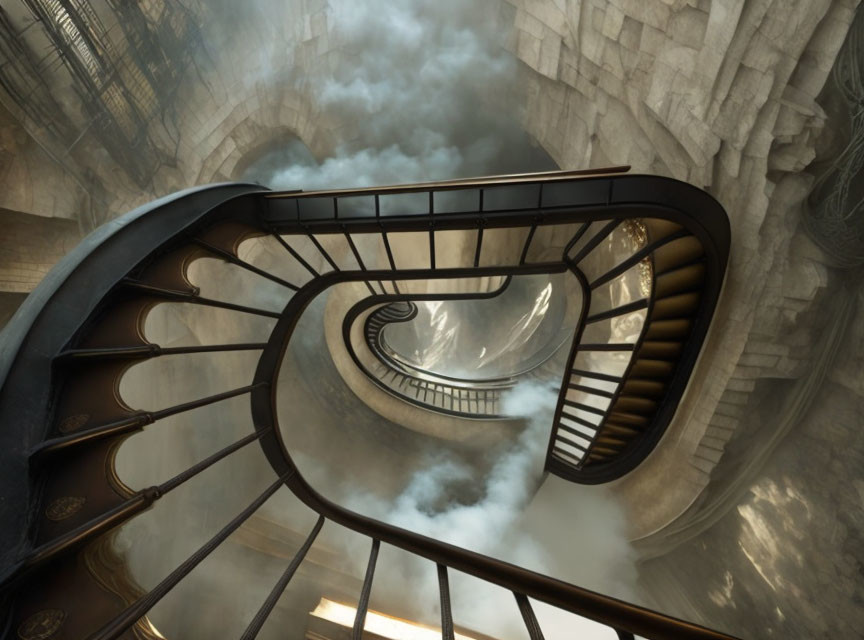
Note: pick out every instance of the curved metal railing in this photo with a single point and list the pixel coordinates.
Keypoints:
(469, 399)
(61, 419)
(466, 399)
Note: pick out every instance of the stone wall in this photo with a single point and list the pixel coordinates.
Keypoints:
(232, 111)
(31, 180)
(30, 245)
(721, 94)
(785, 561)
(226, 112)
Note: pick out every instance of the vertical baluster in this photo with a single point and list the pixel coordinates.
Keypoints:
(601, 235)
(534, 631)
(363, 604)
(386, 241)
(320, 249)
(479, 242)
(357, 258)
(527, 245)
(431, 230)
(261, 617)
(576, 237)
(295, 255)
(447, 631)
(122, 622)
(534, 224)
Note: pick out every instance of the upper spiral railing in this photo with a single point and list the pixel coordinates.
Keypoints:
(460, 397)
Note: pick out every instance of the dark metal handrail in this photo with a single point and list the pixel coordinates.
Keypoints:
(412, 384)
(458, 183)
(134, 267)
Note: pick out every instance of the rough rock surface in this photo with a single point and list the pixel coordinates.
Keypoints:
(720, 94)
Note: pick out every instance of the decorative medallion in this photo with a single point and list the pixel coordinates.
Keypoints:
(63, 508)
(73, 423)
(42, 624)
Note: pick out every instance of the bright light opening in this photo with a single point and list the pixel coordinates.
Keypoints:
(379, 623)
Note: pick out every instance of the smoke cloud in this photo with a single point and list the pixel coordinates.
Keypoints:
(423, 91)
(512, 513)
(506, 490)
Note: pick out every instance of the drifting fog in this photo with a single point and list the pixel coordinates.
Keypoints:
(557, 529)
(422, 90)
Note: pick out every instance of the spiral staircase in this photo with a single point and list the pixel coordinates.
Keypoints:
(646, 254)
